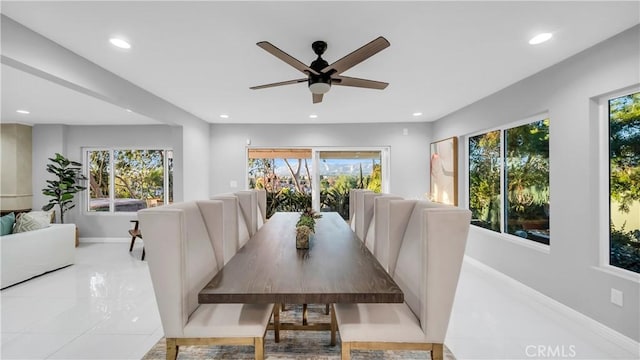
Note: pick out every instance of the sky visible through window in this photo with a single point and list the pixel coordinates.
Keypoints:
(330, 166)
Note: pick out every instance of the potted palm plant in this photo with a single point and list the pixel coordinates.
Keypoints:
(67, 183)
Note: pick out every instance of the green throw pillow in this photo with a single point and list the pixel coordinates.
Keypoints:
(7, 224)
(29, 222)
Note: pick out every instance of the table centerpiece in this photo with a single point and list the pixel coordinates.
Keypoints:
(305, 227)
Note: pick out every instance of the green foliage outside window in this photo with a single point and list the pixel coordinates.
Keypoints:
(484, 180)
(624, 166)
(527, 180)
(292, 191)
(138, 179)
(525, 175)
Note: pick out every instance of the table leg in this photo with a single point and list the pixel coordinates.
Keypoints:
(334, 326)
(304, 314)
(276, 322)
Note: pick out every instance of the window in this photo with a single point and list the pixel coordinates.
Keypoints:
(292, 183)
(509, 180)
(285, 175)
(624, 181)
(127, 180)
(341, 171)
(484, 180)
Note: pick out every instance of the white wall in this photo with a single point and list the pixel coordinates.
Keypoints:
(69, 140)
(408, 162)
(569, 272)
(196, 163)
(47, 140)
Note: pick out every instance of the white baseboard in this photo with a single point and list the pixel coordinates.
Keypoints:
(105, 240)
(602, 330)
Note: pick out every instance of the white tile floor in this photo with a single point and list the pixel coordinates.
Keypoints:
(103, 307)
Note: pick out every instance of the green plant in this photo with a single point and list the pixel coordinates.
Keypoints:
(336, 199)
(62, 190)
(308, 219)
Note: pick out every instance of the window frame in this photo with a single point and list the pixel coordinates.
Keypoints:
(86, 200)
(385, 157)
(604, 187)
(502, 234)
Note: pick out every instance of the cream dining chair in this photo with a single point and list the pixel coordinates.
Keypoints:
(182, 259)
(427, 243)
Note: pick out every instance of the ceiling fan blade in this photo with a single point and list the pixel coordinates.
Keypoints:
(270, 48)
(357, 82)
(296, 81)
(317, 98)
(357, 56)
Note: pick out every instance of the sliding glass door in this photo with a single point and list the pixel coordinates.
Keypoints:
(342, 170)
(295, 178)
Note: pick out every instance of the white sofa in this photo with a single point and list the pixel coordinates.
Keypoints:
(32, 253)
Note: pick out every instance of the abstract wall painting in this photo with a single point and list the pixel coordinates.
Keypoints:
(444, 171)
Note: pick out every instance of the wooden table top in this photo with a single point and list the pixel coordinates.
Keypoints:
(337, 268)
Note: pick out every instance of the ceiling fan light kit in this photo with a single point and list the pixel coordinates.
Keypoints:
(321, 75)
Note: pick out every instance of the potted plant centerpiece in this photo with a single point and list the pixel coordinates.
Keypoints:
(306, 226)
(63, 189)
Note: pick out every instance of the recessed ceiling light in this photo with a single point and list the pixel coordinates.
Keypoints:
(417, 113)
(313, 116)
(128, 110)
(224, 116)
(25, 112)
(122, 44)
(540, 38)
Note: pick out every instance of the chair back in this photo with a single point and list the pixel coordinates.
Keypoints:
(213, 214)
(181, 260)
(262, 206)
(378, 234)
(429, 259)
(358, 221)
(248, 201)
(368, 202)
(235, 229)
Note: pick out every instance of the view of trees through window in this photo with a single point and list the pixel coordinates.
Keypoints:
(521, 205)
(624, 183)
(484, 180)
(140, 179)
(287, 176)
(341, 171)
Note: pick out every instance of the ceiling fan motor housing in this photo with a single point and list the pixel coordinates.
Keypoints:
(319, 84)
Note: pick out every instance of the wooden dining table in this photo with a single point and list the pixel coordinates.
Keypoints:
(336, 268)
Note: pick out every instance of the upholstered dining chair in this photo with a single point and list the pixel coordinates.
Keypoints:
(181, 257)
(248, 201)
(428, 243)
(366, 207)
(235, 230)
(377, 238)
(356, 209)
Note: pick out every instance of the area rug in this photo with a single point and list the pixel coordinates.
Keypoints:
(293, 345)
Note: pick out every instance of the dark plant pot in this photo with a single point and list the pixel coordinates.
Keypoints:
(302, 240)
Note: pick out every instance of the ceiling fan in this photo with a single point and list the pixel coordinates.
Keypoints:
(321, 75)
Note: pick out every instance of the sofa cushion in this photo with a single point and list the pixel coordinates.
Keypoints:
(31, 221)
(7, 222)
(51, 215)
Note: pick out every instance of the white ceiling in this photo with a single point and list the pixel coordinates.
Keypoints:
(201, 56)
